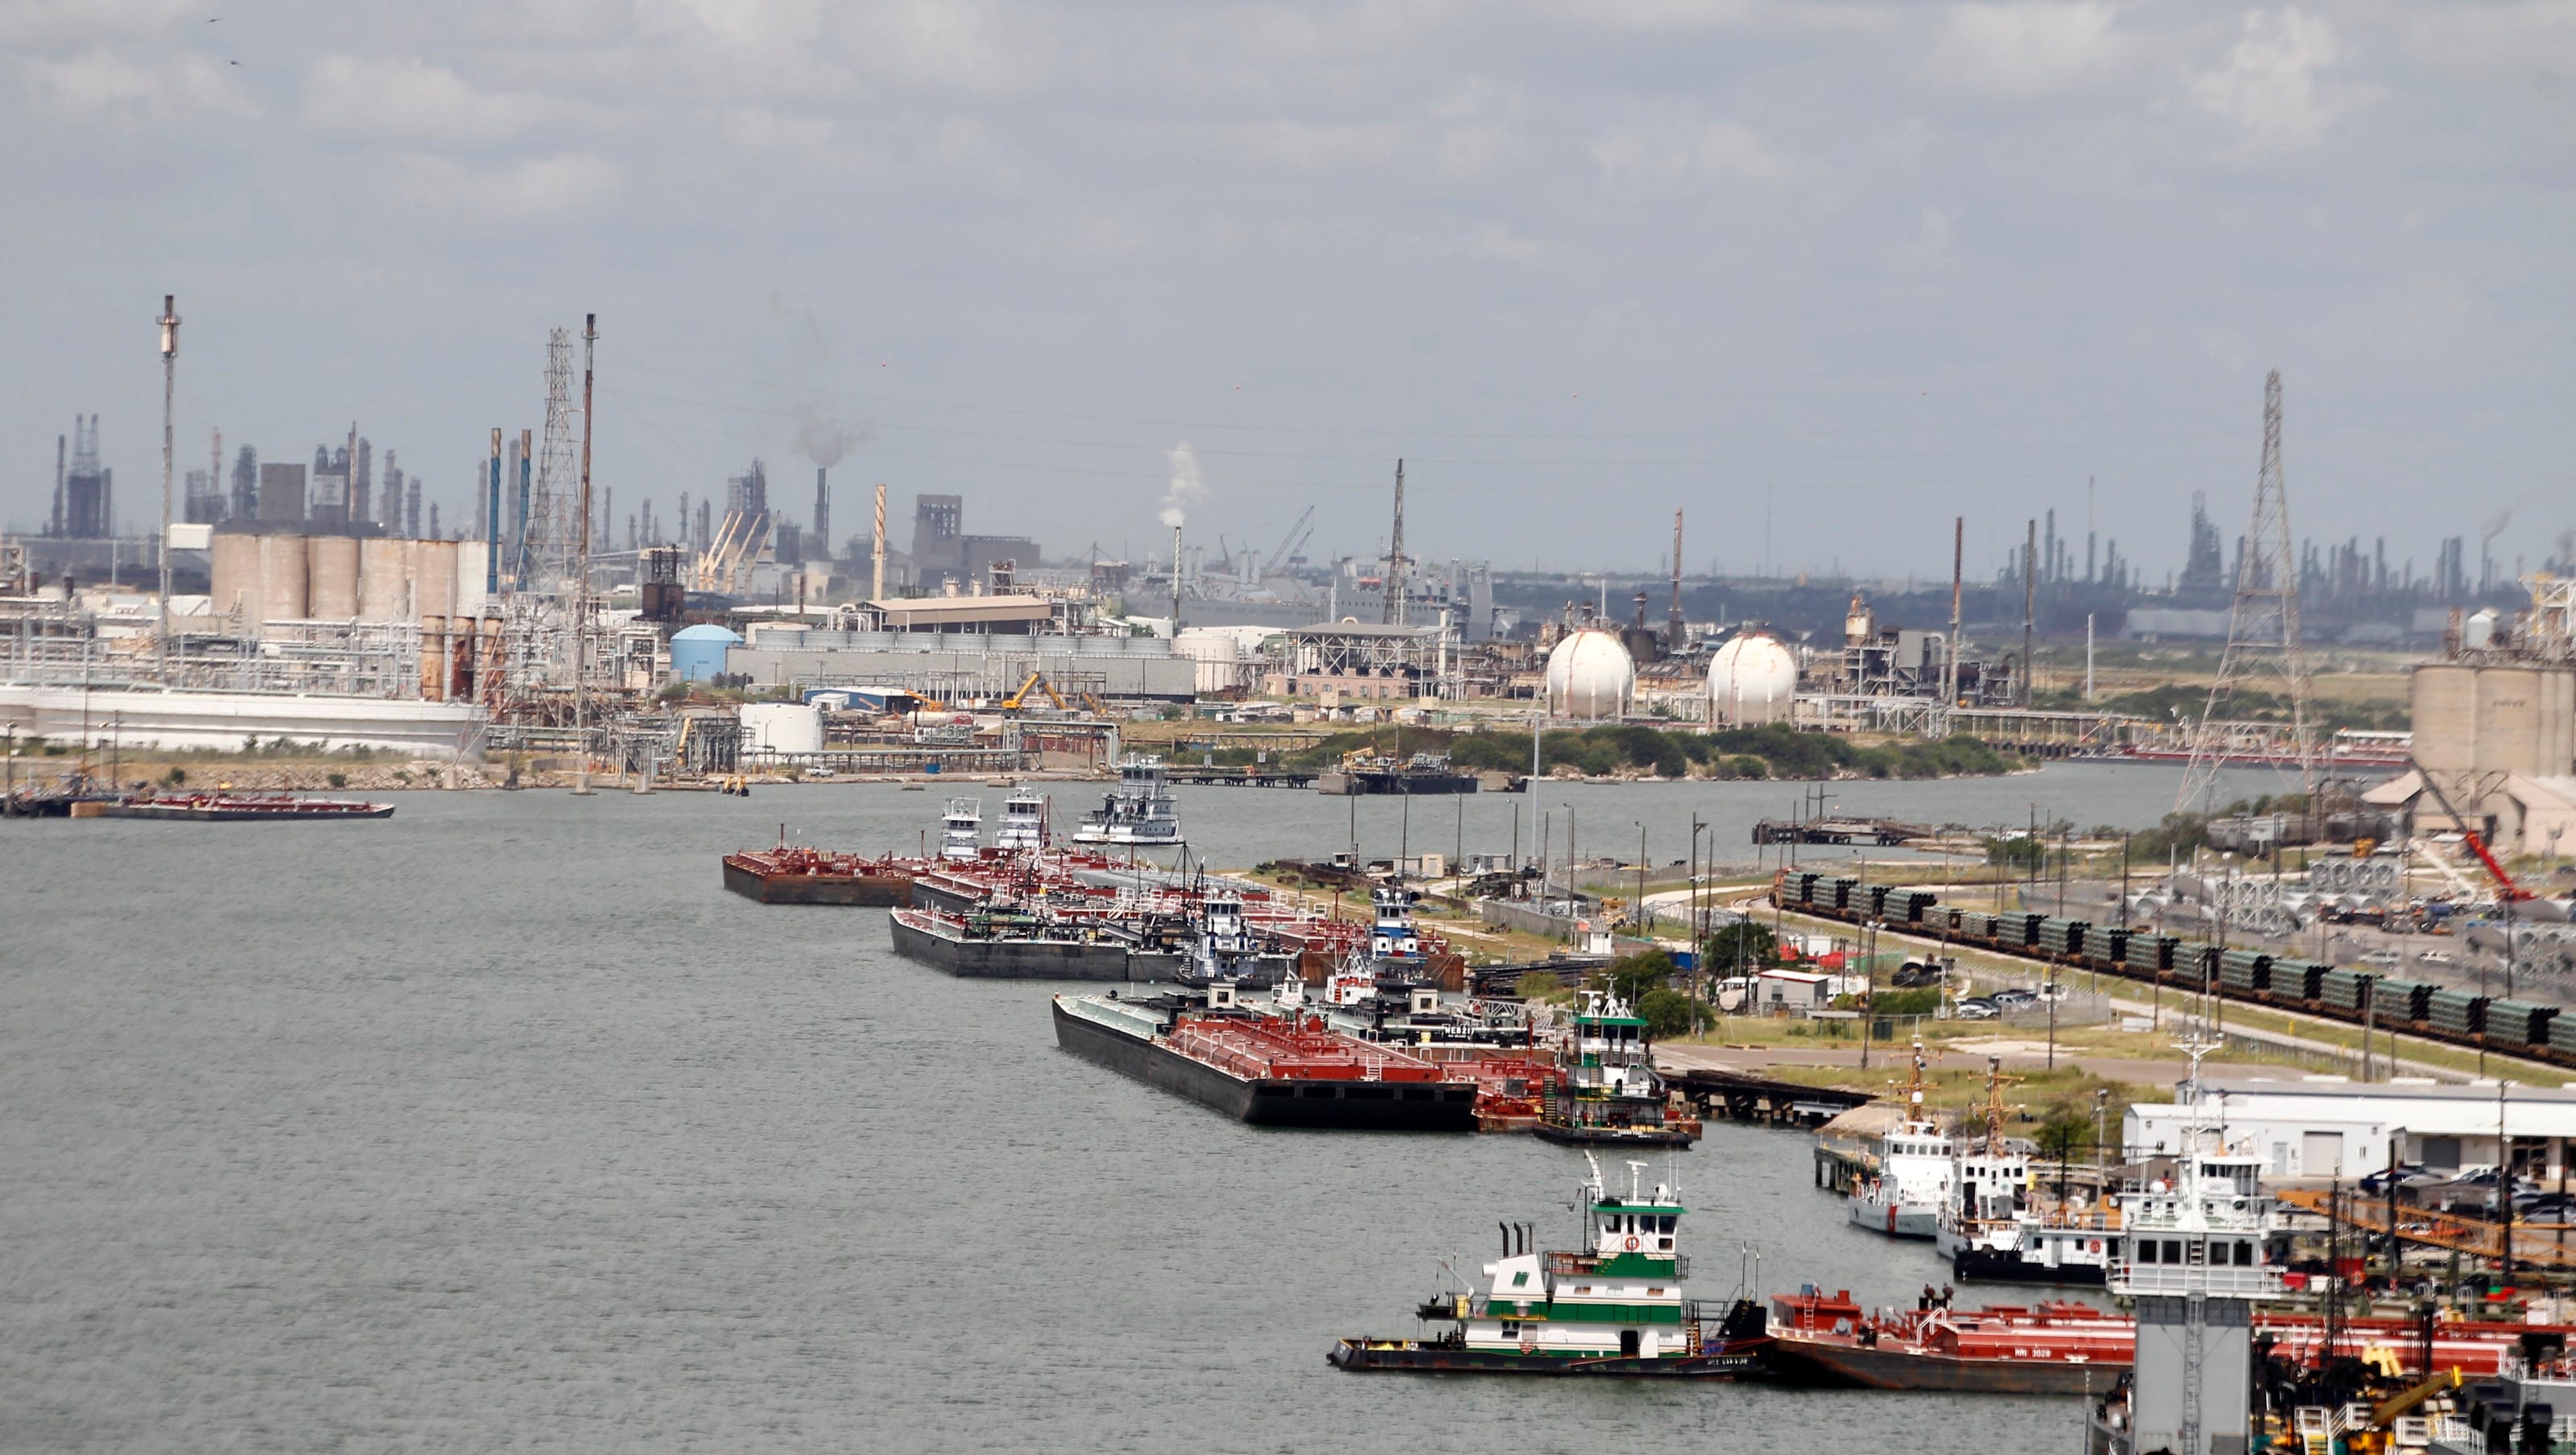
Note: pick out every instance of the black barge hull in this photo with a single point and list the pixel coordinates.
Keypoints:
(1094, 960)
(1384, 1106)
(1412, 1356)
(1990, 1265)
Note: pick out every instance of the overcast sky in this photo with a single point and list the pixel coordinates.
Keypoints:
(1823, 275)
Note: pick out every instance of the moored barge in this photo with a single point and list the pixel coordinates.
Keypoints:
(232, 808)
(798, 875)
(1008, 944)
(1266, 1070)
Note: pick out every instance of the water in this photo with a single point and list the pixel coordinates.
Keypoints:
(498, 1125)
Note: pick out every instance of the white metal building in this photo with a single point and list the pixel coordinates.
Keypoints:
(2332, 1127)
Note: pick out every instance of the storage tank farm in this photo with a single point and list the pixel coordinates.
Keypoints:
(1590, 676)
(1752, 680)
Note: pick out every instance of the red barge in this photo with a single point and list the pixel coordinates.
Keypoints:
(799, 875)
(2075, 1348)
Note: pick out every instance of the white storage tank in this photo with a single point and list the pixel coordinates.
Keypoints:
(1752, 679)
(1590, 676)
(770, 729)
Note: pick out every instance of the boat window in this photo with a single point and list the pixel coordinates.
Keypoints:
(2244, 1255)
(1521, 1279)
(2173, 1250)
(2146, 1250)
(1511, 1330)
(1665, 1224)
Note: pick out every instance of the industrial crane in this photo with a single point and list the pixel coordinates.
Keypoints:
(1289, 546)
(2507, 891)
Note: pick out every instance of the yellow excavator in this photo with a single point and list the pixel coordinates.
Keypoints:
(1037, 680)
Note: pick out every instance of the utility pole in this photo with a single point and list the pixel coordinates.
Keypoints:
(169, 321)
(581, 572)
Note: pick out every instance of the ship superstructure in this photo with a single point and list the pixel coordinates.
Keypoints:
(1138, 811)
(1023, 825)
(961, 831)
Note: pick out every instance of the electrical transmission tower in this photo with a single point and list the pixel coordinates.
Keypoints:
(2263, 648)
(553, 542)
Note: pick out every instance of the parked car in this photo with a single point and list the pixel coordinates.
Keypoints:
(2476, 1187)
(2408, 1175)
(1976, 1008)
(2013, 999)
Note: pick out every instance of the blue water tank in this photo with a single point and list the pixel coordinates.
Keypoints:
(698, 652)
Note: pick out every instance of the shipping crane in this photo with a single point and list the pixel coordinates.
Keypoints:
(1289, 545)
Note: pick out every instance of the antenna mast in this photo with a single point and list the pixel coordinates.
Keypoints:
(2262, 628)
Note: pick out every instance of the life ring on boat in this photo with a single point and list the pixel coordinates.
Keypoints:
(2095, 1246)
(1632, 1245)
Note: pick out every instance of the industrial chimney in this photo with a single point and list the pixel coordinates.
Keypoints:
(823, 512)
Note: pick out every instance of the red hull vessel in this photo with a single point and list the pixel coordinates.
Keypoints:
(2073, 1348)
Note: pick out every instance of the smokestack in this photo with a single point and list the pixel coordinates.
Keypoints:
(58, 486)
(2029, 605)
(1676, 631)
(1176, 577)
(1958, 564)
(1392, 601)
(822, 512)
(492, 523)
(876, 584)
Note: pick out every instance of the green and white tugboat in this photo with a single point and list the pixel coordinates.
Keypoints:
(1612, 1095)
(1616, 1308)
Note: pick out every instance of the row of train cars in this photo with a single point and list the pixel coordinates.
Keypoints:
(2436, 1013)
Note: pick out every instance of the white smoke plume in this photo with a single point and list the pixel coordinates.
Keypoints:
(825, 439)
(1188, 486)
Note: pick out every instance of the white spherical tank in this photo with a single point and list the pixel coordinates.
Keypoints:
(1752, 679)
(1590, 675)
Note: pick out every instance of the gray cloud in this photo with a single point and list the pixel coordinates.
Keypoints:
(1853, 269)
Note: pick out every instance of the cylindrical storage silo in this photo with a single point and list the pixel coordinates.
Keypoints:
(433, 658)
(1752, 679)
(333, 567)
(1590, 675)
(385, 569)
(770, 729)
(698, 652)
(282, 593)
(234, 576)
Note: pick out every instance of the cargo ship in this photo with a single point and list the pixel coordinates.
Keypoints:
(1615, 1309)
(1280, 1071)
(794, 874)
(231, 808)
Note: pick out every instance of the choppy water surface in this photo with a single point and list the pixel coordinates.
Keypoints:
(499, 1125)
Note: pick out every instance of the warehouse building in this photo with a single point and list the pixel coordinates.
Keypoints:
(2326, 1126)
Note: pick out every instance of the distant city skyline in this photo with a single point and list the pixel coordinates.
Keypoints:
(1822, 276)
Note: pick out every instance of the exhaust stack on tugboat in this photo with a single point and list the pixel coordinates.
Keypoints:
(1616, 1308)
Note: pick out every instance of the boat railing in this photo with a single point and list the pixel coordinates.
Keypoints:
(2217, 1281)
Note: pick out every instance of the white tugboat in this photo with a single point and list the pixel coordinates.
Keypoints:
(1994, 1230)
(1224, 948)
(961, 831)
(1023, 827)
(1615, 1308)
(1137, 812)
(1914, 1174)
